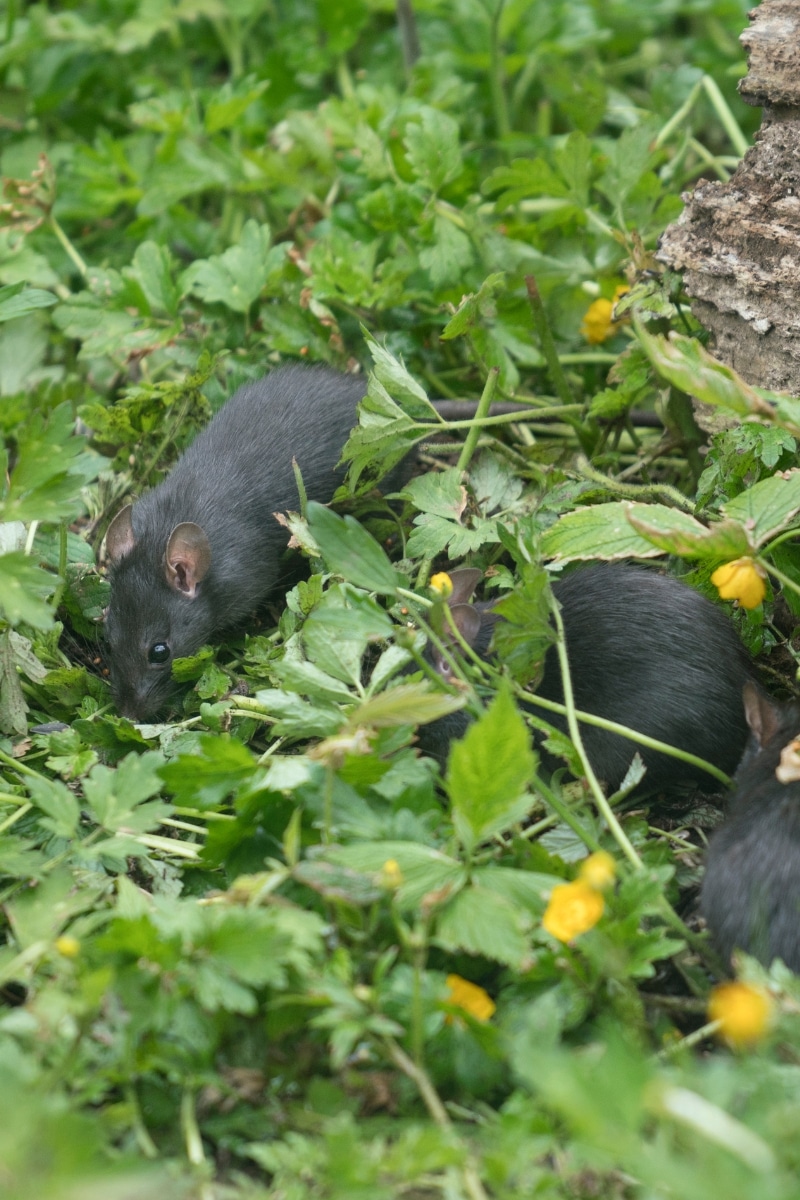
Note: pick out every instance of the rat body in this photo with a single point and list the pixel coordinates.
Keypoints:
(646, 651)
(201, 551)
(751, 889)
(197, 554)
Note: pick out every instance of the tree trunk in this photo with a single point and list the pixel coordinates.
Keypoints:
(738, 243)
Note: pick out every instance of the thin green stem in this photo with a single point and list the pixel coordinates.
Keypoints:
(481, 412)
(726, 117)
(496, 80)
(633, 735)
(557, 376)
(680, 116)
(779, 575)
(574, 732)
(68, 246)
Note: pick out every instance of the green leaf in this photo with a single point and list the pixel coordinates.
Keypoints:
(602, 531)
(768, 507)
(16, 300)
(350, 551)
(488, 772)
(432, 146)
(116, 797)
(676, 532)
(451, 254)
(523, 178)
(236, 277)
(478, 921)
(23, 587)
(474, 307)
(152, 266)
(12, 702)
(522, 638)
(231, 101)
(205, 779)
(58, 803)
(406, 704)
(686, 364)
(424, 871)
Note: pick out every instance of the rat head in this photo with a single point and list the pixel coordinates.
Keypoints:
(157, 611)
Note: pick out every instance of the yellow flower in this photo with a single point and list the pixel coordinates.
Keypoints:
(573, 908)
(473, 999)
(743, 1010)
(391, 875)
(598, 324)
(742, 580)
(442, 584)
(598, 870)
(68, 946)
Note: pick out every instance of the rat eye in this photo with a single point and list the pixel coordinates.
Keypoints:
(159, 653)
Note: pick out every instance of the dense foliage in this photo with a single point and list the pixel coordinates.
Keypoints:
(267, 948)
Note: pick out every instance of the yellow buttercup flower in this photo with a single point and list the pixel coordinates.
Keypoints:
(391, 875)
(598, 870)
(743, 1010)
(598, 324)
(573, 908)
(742, 580)
(442, 584)
(473, 999)
(67, 946)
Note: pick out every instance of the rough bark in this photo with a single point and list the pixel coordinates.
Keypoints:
(738, 243)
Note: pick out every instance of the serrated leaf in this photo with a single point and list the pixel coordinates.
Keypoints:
(479, 921)
(12, 701)
(451, 254)
(768, 507)
(58, 803)
(686, 364)
(676, 532)
(23, 587)
(433, 149)
(601, 531)
(204, 780)
(406, 704)
(442, 494)
(425, 872)
(16, 300)
(522, 638)
(152, 266)
(488, 772)
(350, 551)
(116, 797)
(472, 308)
(236, 277)
(524, 177)
(229, 103)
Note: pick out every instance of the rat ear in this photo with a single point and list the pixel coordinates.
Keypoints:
(762, 713)
(187, 559)
(467, 621)
(464, 581)
(120, 538)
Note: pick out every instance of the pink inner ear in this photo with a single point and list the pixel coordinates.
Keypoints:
(181, 576)
(187, 558)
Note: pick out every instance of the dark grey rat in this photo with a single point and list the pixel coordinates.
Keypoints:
(201, 551)
(197, 554)
(751, 889)
(646, 651)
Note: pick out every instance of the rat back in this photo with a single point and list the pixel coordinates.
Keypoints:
(751, 889)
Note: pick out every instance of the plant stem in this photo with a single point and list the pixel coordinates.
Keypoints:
(617, 831)
(481, 412)
(727, 119)
(499, 101)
